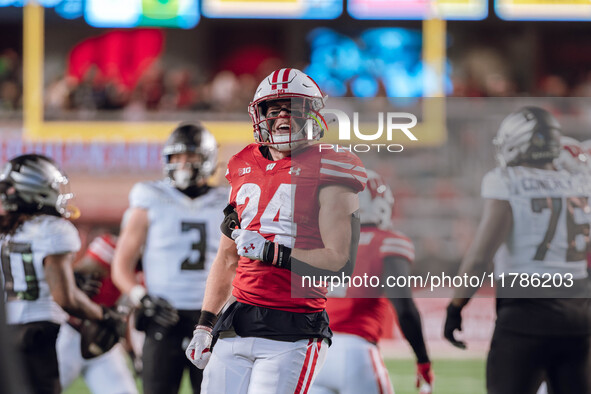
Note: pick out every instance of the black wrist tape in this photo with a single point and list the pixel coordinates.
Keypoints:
(207, 319)
(454, 310)
(278, 255)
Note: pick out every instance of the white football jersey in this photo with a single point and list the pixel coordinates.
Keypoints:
(551, 219)
(182, 241)
(28, 298)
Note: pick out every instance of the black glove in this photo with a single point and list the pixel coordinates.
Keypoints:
(230, 222)
(90, 284)
(115, 320)
(156, 310)
(453, 321)
(98, 337)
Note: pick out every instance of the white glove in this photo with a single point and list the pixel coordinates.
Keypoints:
(199, 350)
(249, 243)
(425, 388)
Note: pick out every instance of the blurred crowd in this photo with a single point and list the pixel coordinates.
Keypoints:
(180, 89)
(160, 88)
(11, 81)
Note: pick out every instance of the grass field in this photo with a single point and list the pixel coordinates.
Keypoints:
(452, 377)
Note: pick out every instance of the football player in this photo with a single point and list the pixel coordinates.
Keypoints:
(104, 370)
(174, 224)
(354, 363)
(296, 209)
(541, 214)
(38, 247)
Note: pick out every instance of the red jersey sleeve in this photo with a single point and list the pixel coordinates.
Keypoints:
(396, 244)
(102, 249)
(342, 168)
(239, 165)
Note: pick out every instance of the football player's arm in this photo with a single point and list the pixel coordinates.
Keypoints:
(494, 227)
(337, 205)
(127, 253)
(408, 315)
(90, 266)
(217, 292)
(493, 230)
(60, 278)
(218, 287)
(89, 273)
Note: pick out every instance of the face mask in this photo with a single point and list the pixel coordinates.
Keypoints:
(182, 178)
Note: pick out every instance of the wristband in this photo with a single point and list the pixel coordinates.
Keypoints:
(454, 310)
(277, 255)
(207, 319)
(204, 328)
(136, 294)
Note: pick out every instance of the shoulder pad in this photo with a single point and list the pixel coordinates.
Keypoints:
(397, 244)
(496, 185)
(142, 194)
(59, 236)
(343, 168)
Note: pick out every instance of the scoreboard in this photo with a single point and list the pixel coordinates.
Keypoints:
(418, 9)
(185, 14)
(544, 10)
(134, 13)
(276, 9)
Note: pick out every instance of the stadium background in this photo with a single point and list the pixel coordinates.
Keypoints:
(100, 94)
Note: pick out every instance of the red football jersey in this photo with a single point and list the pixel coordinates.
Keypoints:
(364, 316)
(102, 249)
(279, 199)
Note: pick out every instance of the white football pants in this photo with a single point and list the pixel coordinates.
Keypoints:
(263, 366)
(353, 366)
(105, 374)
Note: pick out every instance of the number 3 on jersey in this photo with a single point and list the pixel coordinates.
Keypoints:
(199, 247)
(278, 215)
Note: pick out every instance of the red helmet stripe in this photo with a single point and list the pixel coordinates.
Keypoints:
(575, 151)
(285, 77)
(274, 80)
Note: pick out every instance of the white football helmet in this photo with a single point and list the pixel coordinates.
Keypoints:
(571, 157)
(530, 135)
(301, 90)
(376, 202)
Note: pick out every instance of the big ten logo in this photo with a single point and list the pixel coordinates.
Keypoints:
(395, 122)
(244, 171)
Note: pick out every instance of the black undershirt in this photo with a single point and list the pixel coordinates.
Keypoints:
(265, 152)
(195, 191)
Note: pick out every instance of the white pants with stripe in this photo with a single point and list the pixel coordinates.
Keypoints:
(353, 366)
(105, 374)
(263, 366)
